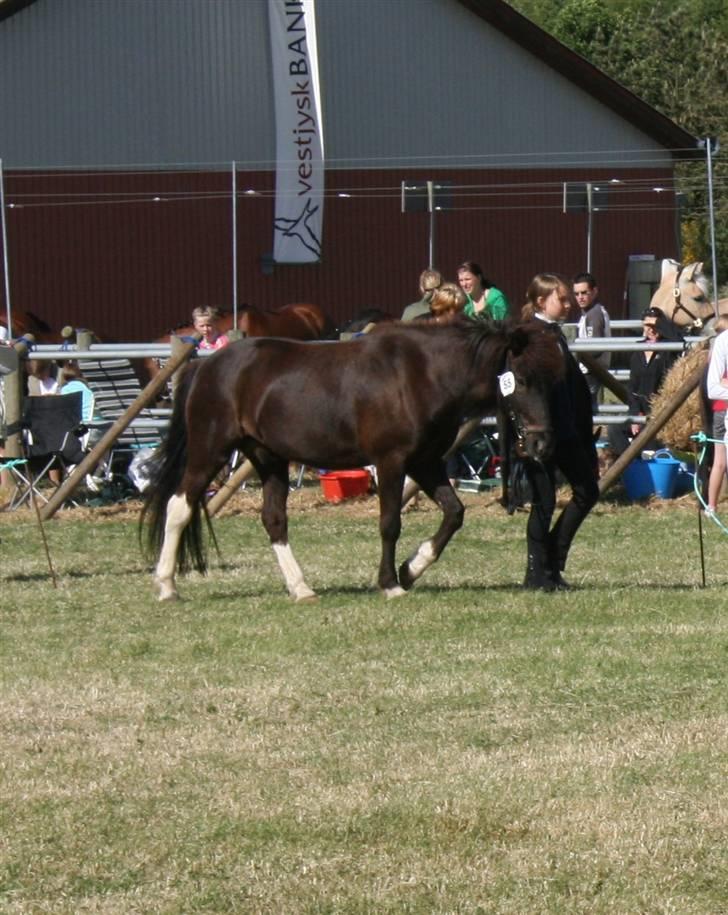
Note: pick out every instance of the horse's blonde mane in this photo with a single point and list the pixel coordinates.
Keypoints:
(667, 266)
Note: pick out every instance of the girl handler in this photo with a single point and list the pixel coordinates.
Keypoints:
(548, 301)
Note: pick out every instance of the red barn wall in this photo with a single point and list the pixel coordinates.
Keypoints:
(131, 254)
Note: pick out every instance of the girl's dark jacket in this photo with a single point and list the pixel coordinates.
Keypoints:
(571, 418)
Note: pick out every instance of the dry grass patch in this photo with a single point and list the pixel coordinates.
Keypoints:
(471, 748)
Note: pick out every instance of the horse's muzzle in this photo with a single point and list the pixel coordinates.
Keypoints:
(538, 442)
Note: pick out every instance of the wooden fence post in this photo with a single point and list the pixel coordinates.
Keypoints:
(69, 485)
(14, 358)
(651, 428)
(605, 377)
(230, 487)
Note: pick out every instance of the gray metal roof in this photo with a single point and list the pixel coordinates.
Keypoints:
(405, 84)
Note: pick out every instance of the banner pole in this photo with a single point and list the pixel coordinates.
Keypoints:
(711, 219)
(235, 245)
(5, 253)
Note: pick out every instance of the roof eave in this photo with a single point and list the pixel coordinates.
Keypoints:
(9, 8)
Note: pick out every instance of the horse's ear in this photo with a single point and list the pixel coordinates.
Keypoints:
(667, 265)
(518, 341)
(696, 271)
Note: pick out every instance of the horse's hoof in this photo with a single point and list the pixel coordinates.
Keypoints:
(389, 593)
(166, 591)
(304, 595)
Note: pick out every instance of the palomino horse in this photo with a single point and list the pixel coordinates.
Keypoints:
(393, 398)
(683, 295)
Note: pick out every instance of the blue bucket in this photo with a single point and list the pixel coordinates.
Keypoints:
(637, 479)
(685, 479)
(664, 469)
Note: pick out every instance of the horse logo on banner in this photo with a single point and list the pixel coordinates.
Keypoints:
(298, 221)
(305, 227)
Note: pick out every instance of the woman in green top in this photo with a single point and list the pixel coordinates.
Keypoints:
(484, 299)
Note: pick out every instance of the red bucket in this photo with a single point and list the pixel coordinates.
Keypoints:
(344, 484)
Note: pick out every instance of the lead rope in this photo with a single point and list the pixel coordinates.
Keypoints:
(702, 439)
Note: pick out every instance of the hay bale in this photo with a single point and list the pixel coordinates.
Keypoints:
(688, 419)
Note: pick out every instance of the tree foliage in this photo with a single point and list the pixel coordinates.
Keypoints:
(673, 54)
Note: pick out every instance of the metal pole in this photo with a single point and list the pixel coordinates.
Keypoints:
(711, 218)
(431, 210)
(235, 246)
(589, 227)
(5, 252)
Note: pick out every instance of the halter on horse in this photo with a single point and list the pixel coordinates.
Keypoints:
(393, 398)
(683, 296)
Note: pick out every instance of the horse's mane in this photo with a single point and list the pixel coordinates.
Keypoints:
(528, 341)
(702, 282)
(539, 354)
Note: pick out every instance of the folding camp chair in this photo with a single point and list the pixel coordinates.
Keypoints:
(115, 386)
(51, 435)
(478, 461)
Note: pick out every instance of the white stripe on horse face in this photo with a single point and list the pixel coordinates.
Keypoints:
(422, 559)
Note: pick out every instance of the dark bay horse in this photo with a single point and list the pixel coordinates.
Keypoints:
(393, 398)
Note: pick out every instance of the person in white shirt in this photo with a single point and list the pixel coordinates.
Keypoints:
(717, 391)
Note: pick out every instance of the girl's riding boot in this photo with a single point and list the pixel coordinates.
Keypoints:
(558, 579)
(537, 572)
(556, 564)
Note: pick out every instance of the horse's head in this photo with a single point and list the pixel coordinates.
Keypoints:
(683, 294)
(533, 363)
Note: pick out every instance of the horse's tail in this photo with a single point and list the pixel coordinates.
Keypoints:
(167, 467)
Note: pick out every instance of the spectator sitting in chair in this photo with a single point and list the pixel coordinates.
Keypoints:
(42, 379)
(430, 281)
(647, 370)
(72, 381)
(484, 301)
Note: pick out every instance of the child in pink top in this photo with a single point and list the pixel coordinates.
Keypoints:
(205, 323)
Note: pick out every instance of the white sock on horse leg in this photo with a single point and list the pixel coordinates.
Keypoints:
(179, 513)
(422, 559)
(297, 587)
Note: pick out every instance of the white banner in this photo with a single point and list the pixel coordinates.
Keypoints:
(299, 133)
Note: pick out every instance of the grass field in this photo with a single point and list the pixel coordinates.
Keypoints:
(468, 748)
